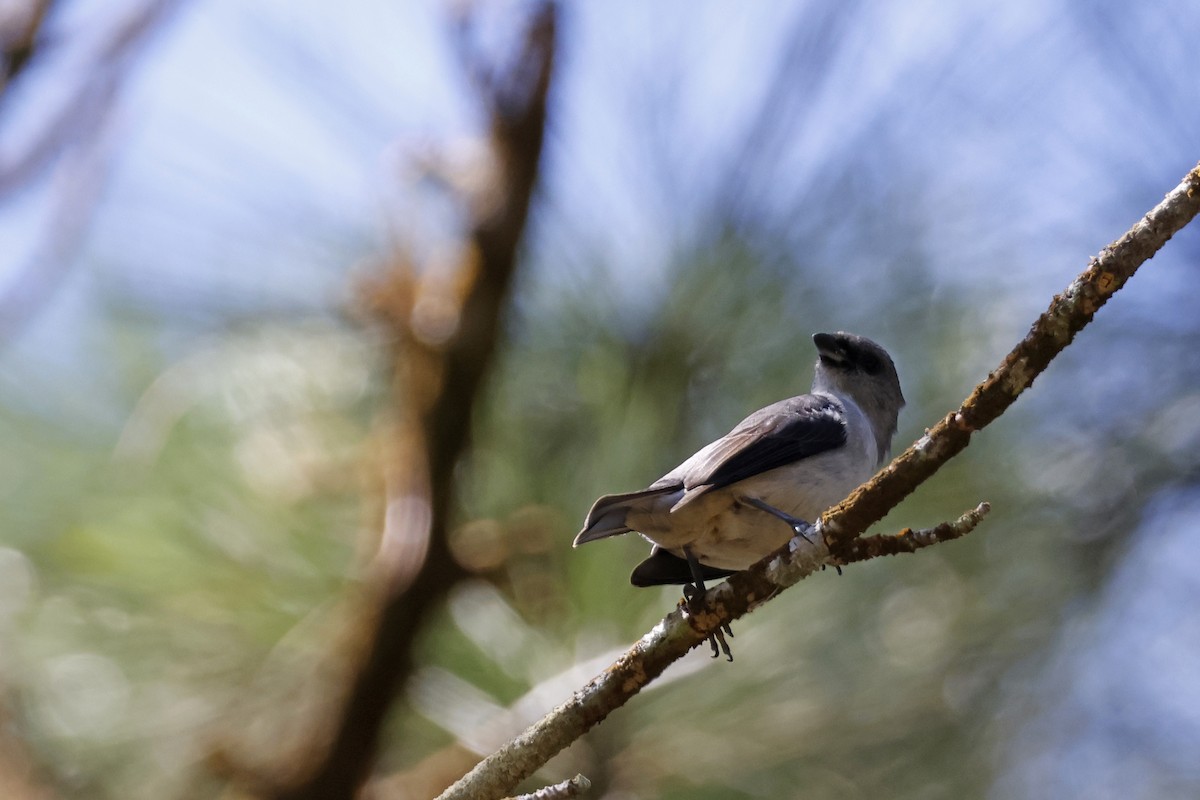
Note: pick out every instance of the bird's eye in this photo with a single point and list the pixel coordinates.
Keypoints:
(831, 361)
(870, 363)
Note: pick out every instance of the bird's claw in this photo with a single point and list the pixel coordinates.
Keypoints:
(718, 637)
(693, 600)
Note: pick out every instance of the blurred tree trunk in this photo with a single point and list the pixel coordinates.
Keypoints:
(445, 329)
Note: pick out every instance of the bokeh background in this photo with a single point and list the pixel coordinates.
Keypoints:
(192, 193)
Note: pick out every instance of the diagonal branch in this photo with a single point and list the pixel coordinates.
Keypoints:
(841, 526)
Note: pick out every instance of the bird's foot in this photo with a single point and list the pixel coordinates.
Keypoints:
(693, 600)
(693, 595)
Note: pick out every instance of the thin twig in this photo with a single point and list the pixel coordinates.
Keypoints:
(910, 541)
(841, 526)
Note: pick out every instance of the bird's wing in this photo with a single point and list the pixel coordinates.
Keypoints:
(779, 434)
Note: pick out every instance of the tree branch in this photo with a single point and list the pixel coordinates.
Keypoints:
(841, 526)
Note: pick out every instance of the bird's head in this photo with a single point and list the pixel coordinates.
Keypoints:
(856, 367)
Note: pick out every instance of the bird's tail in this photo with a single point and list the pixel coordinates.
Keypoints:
(607, 517)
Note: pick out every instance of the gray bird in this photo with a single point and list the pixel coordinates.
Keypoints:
(712, 515)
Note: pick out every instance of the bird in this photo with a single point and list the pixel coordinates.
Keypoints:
(720, 510)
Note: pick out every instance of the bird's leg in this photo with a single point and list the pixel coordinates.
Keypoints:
(801, 528)
(693, 593)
